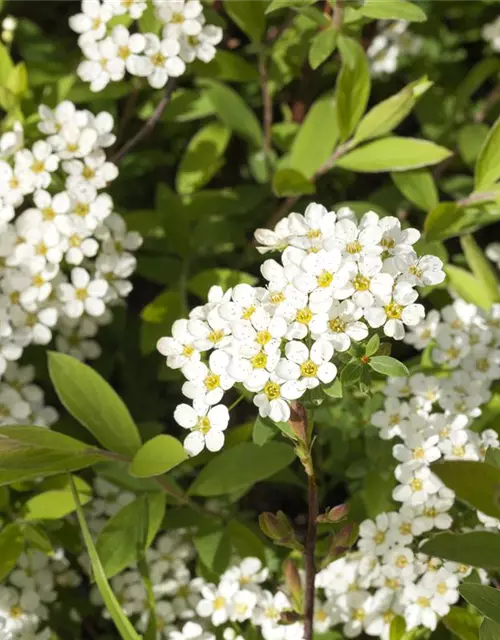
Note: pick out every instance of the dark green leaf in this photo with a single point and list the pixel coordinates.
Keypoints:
(488, 162)
(489, 630)
(94, 403)
(439, 220)
(249, 16)
(485, 599)
(213, 547)
(11, 547)
(290, 182)
(200, 283)
(263, 431)
(462, 623)
(477, 548)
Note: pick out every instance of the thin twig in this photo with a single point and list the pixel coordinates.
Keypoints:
(491, 100)
(148, 126)
(338, 14)
(266, 101)
(128, 112)
(310, 564)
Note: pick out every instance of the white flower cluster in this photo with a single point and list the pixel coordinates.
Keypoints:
(65, 256)
(491, 33)
(111, 50)
(21, 401)
(337, 277)
(29, 592)
(493, 253)
(392, 41)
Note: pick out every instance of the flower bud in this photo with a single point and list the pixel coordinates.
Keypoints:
(333, 515)
(294, 584)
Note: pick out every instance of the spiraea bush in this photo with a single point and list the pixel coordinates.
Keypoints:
(249, 320)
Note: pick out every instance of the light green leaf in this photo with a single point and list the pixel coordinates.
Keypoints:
(213, 547)
(233, 111)
(482, 494)
(492, 457)
(123, 625)
(468, 286)
(348, 48)
(18, 80)
(385, 116)
(164, 309)
(28, 452)
(481, 267)
(315, 140)
(227, 66)
(334, 389)
(372, 346)
(489, 630)
(57, 503)
(322, 47)
(6, 65)
(485, 599)
(149, 22)
(439, 219)
(488, 163)
(129, 532)
(418, 187)
(392, 10)
(352, 90)
(11, 547)
(225, 278)
(388, 366)
(94, 403)
(470, 140)
(351, 372)
(249, 16)
(241, 466)
(477, 548)
(275, 5)
(290, 182)
(393, 154)
(398, 628)
(462, 623)
(263, 431)
(157, 456)
(203, 157)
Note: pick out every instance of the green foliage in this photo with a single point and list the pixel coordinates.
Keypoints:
(418, 187)
(322, 47)
(91, 400)
(352, 89)
(477, 548)
(388, 366)
(485, 599)
(392, 9)
(488, 162)
(462, 623)
(489, 630)
(157, 456)
(11, 547)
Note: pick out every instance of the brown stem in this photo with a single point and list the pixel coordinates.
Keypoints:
(310, 565)
(128, 112)
(476, 197)
(491, 100)
(148, 126)
(338, 14)
(267, 102)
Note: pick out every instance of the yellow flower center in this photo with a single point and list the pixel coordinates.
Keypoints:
(361, 283)
(48, 213)
(71, 146)
(405, 529)
(272, 390)
(259, 361)
(215, 336)
(379, 537)
(388, 243)
(212, 381)
(441, 588)
(415, 271)
(41, 249)
(15, 612)
(458, 451)
(416, 485)
(423, 602)
(394, 419)
(188, 350)
(219, 602)
(38, 281)
(388, 617)
(124, 52)
(325, 279)
(308, 369)
(418, 453)
(88, 173)
(15, 296)
(204, 424)
(393, 311)
(158, 59)
(248, 313)
(177, 18)
(82, 209)
(482, 365)
(75, 241)
(401, 562)
(14, 183)
(313, 234)
(353, 247)
(337, 325)
(359, 614)
(81, 294)
(277, 298)
(430, 512)
(38, 166)
(263, 337)
(392, 583)
(304, 316)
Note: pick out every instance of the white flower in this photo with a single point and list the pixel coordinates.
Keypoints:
(433, 514)
(216, 603)
(374, 535)
(135, 8)
(91, 23)
(366, 283)
(423, 333)
(272, 401)
(356, 242)
(339, 325)
(392, 418)
(396, 312)
(103, 64)
(248, 572)
(420, 609)
(306, 368)
(160, 62)
(181, 17)
(37, 164)
(273, 240)
(207, 425)
(416, 485)
(401, 560)
(190, 631)
(242, 605)
(207, 384)
(179, 349)
(491, 33)
(493, 249)
(416, 451)
(83, 294)
(201, 46)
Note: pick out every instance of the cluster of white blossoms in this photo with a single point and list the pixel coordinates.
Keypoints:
(30, 592)
(65, 256)
(21, 401)
(392, 41)
(111, 50)
(337, 279)
(491, 33)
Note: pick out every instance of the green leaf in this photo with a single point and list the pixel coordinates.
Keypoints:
(485, 599)
(482, 494)
(11, 547)
(348, 48)
(57, 503)
(488, 163)
(351, 372)
(398, 628)
(393, 154)
(227, 66)
(462, 623)
(468, 286)
(241, 466)
(37, 537)
(492, 457)
(18, 80)
(249, 16)
(275, 5)
(385, 116)
(314, 142)
(418, 187)
(334, 389)
(372, 346)
(213, 547)
(471, 138)
(322, 47)
(123, 541)
(489, 630)
(30, 452)
(474, 79)
(245, 541)
(392, 10)
(439, 219)
(94, 403)
(352, 90)
(6, 65)
(157, 456)
(225, 278)
(481, 267)
(203, 157)
(477, 548)
(123, 625)
(290, 182)
(263, 431)
(388, 366)
(233, 111)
